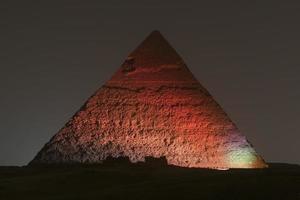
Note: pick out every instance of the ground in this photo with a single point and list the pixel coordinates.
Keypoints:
(124, 181)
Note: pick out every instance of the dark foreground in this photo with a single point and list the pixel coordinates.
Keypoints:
(280, 181)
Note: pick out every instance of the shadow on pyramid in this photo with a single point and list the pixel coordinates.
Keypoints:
(152, 106)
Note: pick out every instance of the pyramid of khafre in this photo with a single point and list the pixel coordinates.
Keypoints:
(152, 106)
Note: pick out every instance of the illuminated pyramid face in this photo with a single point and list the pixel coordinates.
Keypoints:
(152, 107)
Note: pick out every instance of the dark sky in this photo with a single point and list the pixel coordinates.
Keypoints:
(55, 54)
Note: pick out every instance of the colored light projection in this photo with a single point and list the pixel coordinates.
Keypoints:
(152, 107)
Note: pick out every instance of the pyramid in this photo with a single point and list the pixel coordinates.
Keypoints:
(152, 106)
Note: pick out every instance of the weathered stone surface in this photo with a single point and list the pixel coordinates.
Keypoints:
(152, 107)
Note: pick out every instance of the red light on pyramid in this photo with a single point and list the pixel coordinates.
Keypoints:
(152, 107)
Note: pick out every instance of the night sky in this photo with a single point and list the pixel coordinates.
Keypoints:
(55, 54)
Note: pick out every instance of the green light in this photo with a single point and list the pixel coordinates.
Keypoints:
(242, 158)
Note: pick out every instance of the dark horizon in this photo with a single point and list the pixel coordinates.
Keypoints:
(56, 55)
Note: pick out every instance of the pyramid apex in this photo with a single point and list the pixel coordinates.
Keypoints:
(155, 35)
(155, 49)
(155, 32)
(154, 60)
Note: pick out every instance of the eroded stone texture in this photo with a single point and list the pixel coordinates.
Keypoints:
(152, 107)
